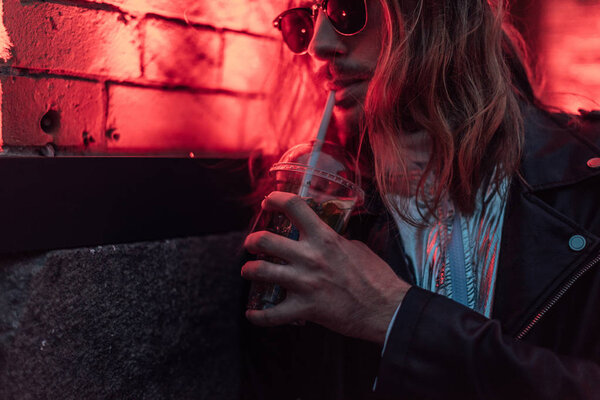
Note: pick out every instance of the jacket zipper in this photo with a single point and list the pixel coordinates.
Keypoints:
(563, 289)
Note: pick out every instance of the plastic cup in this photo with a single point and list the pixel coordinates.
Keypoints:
(332, 191)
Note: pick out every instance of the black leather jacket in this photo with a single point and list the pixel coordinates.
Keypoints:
(543, 341)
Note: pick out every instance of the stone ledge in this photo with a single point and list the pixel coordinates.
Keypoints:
(152, 320)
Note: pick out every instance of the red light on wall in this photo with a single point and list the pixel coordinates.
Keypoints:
(163, 77)
(569, 46)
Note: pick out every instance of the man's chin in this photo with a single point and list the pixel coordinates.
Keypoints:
(347, 121)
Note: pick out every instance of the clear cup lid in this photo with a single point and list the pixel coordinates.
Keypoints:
(334, 163)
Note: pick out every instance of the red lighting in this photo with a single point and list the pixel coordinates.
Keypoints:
(164, 77)
(569, 47)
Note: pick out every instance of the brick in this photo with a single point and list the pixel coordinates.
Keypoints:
(73, 39)
(159, 121)
(79, 106)
(246, 15)
(182, 55)
(5, 43)
(569, 54)
(254, 16)
(248, 62)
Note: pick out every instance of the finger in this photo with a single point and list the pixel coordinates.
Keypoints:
(296, 209)
(265, 271)
(284, 313)
(265, 242)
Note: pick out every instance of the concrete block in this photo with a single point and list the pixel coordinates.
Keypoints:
(73, 39)
(245, 15)
(66, 112)
(181, 54)
(154, 320)
(158, 121)
(248, 62)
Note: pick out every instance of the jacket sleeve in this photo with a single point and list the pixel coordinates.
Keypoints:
(439, 349)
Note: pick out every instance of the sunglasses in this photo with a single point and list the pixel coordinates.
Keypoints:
(348, 17)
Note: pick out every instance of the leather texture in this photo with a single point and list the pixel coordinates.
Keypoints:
(439, 349)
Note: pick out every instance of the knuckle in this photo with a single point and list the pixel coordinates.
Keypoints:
(307, 283)
(268, 319)
(293, 202)
(248, 240)
(262, 270)
(267, 201)
(330, 240)
(255, 270)
(317, 253)
(262, 241)
(358, 243)
(313, 257)
(256, 242)
(277, 197)
(319, 261)
(256, 317)
(246, 270)
(310, 311)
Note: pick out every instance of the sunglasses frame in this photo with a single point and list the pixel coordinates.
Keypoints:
(313, 10)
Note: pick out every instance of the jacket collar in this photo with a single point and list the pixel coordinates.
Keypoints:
(535, 257)
(557, 149)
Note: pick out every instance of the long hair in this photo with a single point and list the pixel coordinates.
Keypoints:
(456, 69)
(453, 68)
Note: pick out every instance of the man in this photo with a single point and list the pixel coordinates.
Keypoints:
(477, 273)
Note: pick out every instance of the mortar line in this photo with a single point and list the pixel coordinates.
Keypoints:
(88, 6)
(142, 46)
(150, 14)
(206, 27)
(142, 83)
(106, 100)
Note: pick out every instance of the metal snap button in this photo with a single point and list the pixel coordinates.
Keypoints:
(577, 242)
(594, 162)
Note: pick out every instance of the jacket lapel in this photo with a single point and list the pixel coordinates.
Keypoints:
(535, 256)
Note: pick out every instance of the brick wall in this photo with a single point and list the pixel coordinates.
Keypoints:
(174, 77)
(143, 76)
(569, 53)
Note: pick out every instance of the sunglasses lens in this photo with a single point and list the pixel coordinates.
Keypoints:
(347, 16)
(297, 29)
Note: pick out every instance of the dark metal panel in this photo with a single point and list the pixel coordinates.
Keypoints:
(51, 203)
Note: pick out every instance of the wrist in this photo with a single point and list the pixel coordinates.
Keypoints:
(388, 312)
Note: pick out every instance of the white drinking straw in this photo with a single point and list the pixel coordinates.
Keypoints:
(316, 150)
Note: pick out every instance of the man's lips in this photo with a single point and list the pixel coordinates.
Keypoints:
(347, 91)
(341, 84)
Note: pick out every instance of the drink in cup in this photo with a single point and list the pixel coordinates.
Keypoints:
(330, 187)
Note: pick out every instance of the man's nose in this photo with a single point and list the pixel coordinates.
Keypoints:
(326, 42)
